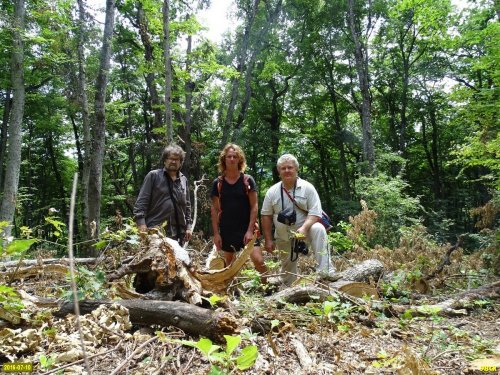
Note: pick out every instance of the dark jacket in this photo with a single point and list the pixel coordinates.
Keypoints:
(154, 205)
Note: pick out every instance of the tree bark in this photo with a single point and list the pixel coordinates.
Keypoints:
(188, 118)
(458, 305)
(99, 129)
(34, 262)
(84, 109)
(11, 183)
(344, 175)
(191, 319)
(57, 173)
(150, 78)
(260, 41)
(361, 59)
(240, 67)
(168, 71)
(274, 120)
(3, 135)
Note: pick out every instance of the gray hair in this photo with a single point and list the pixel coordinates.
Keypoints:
(173, 149)
(286, 158)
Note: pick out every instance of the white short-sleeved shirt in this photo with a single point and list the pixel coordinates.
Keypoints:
(306, 197)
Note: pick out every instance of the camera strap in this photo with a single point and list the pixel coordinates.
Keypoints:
(293, 255)
(178, 234)
(292, 252)
(289, 196)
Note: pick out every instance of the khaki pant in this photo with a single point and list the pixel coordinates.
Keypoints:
(317, 242)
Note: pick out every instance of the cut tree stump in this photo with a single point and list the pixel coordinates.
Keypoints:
(165, 267)
(191, 319)
(217, 281)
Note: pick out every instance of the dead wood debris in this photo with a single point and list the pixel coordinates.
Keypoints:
(301, 342)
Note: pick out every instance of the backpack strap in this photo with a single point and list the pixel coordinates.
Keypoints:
(219, 185)
(246, 183)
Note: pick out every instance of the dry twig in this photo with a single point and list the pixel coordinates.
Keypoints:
(72, 271)
(81, 360)
(131, 356)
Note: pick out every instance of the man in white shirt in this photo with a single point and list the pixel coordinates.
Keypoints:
(307, 207)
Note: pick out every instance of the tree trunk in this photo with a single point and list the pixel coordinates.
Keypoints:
(168, 71)
(235, 83)
(13, 165)
(259, 45)
(149, 57)
(274, 121)
(344, 174)
(84, 109)
(35, 262)
(361, 59)
(99, 129)
(57, 173)
(438, 186)
(457, 305)
(188, 118)
(191, 319)
(3, 135)
(404, 105)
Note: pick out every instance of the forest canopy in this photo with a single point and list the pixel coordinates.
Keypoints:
(390, 102)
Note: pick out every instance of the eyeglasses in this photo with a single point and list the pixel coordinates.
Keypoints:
(174, 159)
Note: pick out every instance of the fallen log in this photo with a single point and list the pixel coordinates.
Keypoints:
(460, 303)
(193, 320)
(455, 306)
(363, 272)
(300, 295)
(38, 270)
(35, 262)
(351, 282)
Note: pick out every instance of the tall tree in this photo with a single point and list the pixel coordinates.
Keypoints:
(415, 28)
(361, 59)
(143, 27)
(84, 108)
(168, 70)
(249, 11)
(3, 134)
(188, 117)
(11, 183)
(99, 128)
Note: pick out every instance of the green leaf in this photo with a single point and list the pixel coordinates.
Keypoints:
(206, 346)
(218, 357)
(216, 370)
(7, 290)
(214, 299)
(232, 343)
(274, 323)
(100, 244)
(328, 307)
(247, 357)
(17, 247)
